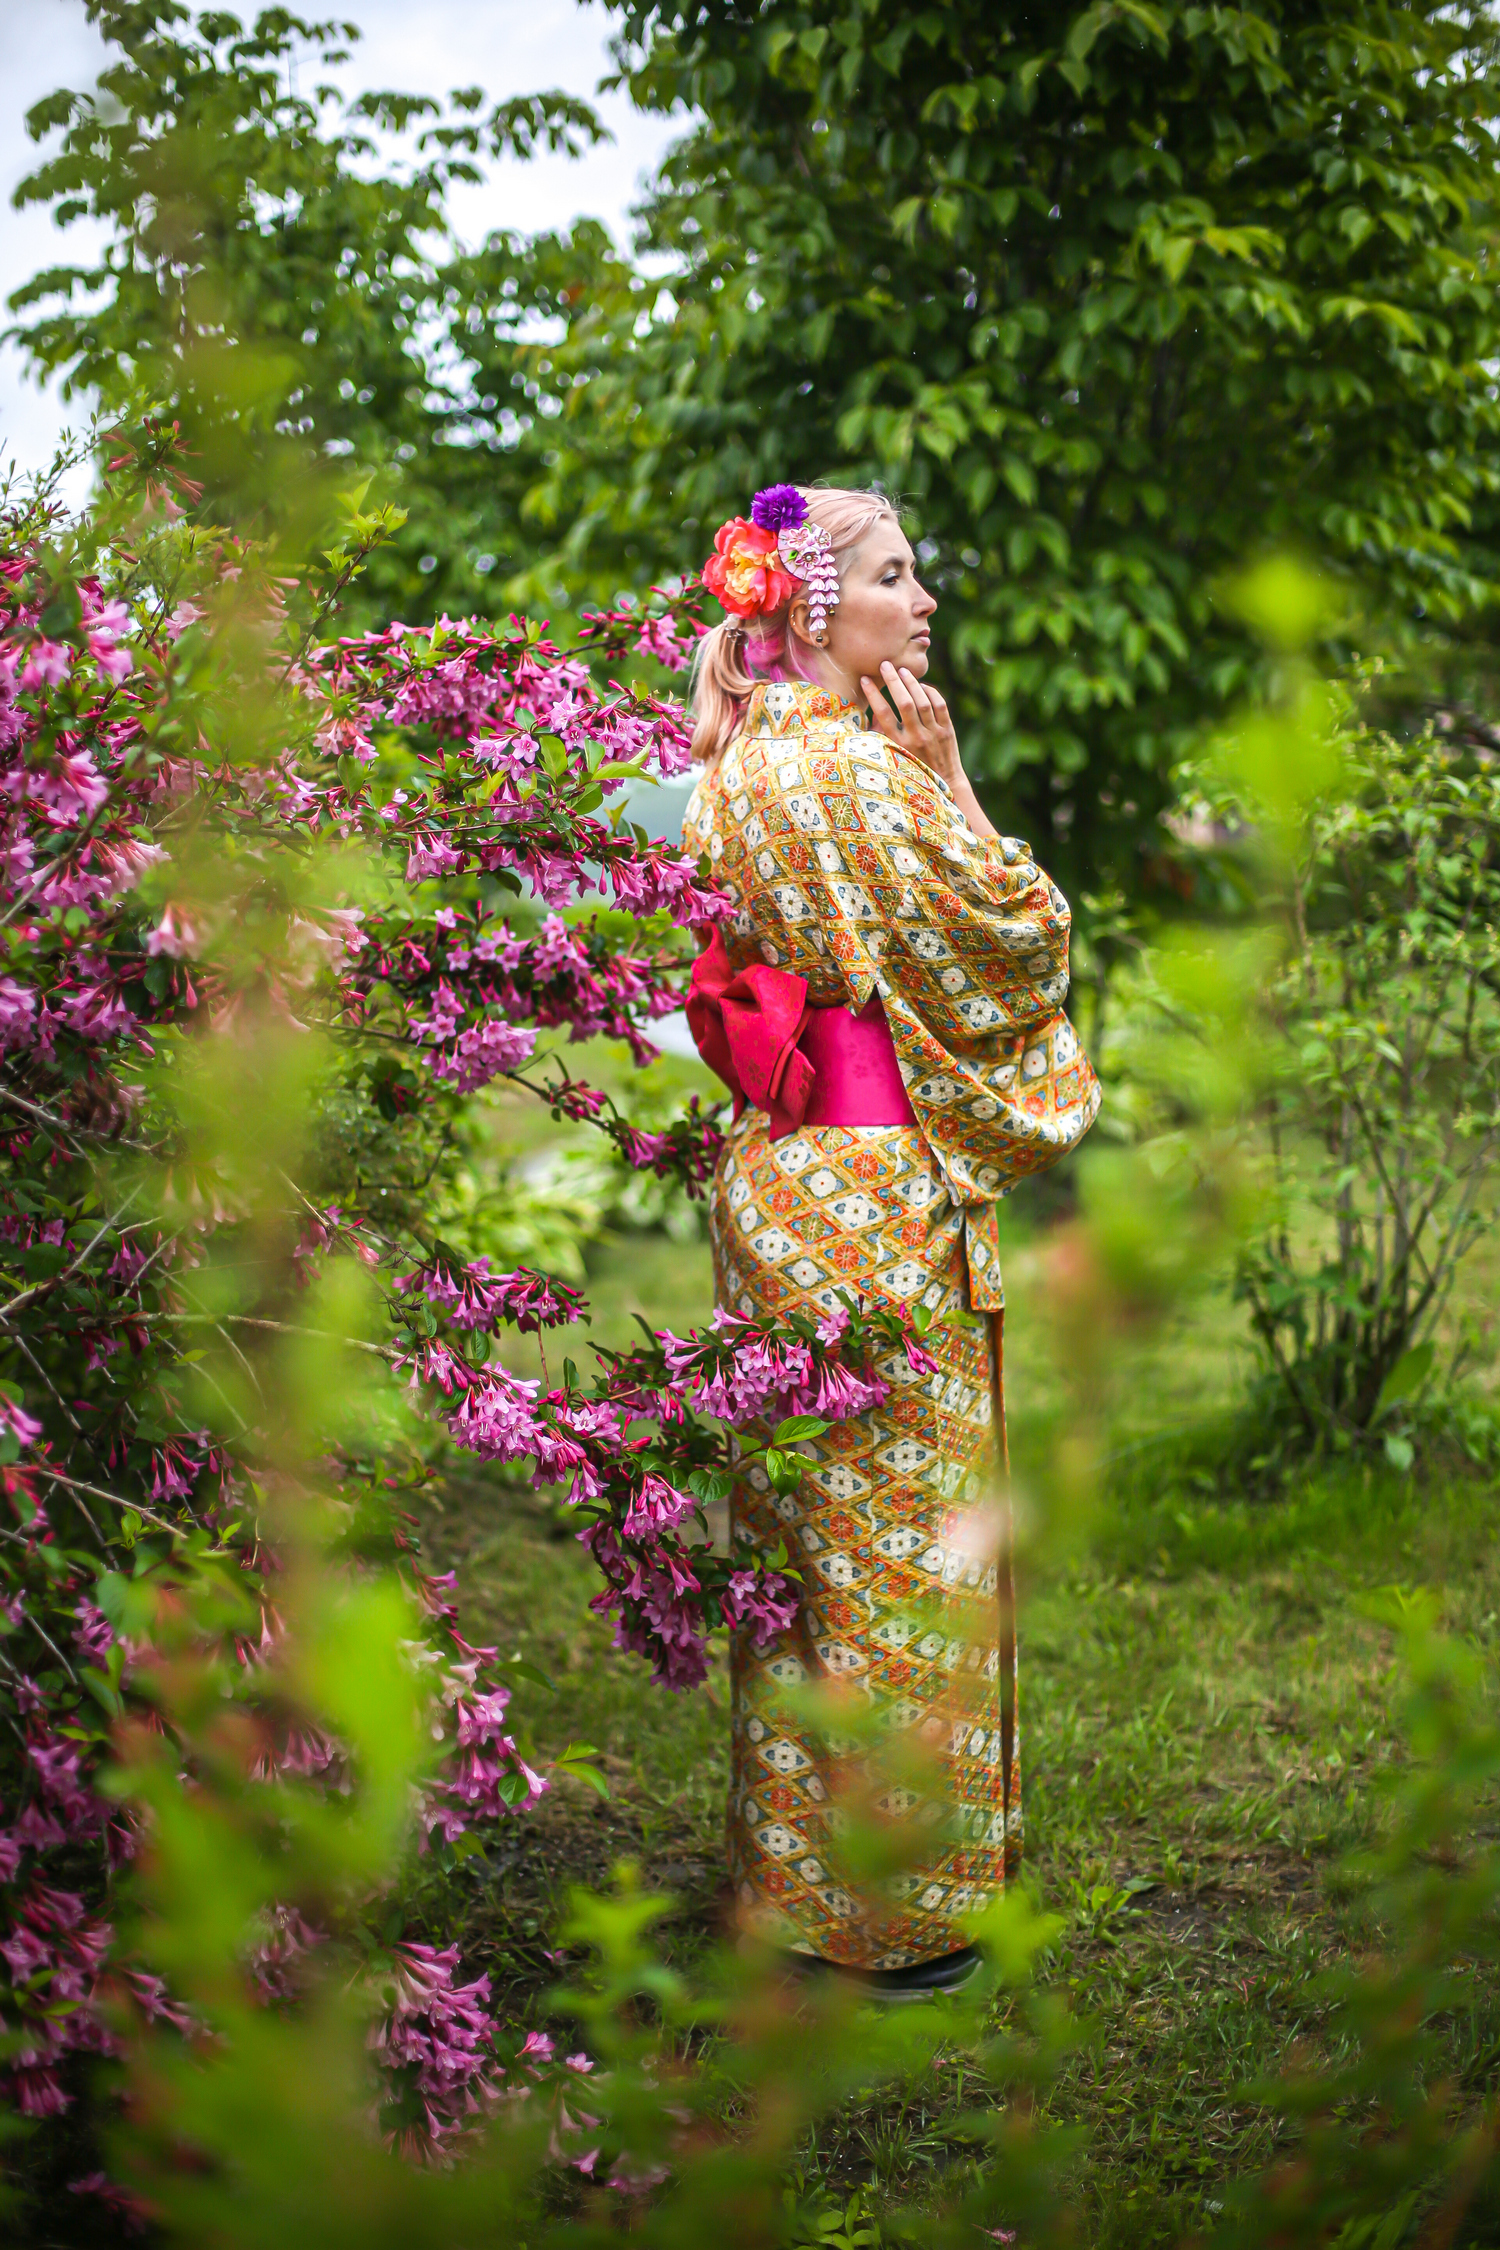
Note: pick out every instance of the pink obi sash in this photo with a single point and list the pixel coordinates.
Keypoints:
(802, 1065)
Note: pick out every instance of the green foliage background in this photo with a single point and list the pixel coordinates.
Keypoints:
(1116, 295)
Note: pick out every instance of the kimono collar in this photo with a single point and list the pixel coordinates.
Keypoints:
(791, 706)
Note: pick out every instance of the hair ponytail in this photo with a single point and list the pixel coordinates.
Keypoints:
(720, 689)
(732, 657)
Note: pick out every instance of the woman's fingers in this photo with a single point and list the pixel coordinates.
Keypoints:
(899, 693)
(880, 711)
(920, 717)
(918, 693)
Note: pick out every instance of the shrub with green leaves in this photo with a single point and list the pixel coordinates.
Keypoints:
(1384, 1111)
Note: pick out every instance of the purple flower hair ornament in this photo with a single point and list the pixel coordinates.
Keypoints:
(804, 547)
(780, 507)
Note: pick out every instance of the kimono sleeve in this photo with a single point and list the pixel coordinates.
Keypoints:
(966, 941)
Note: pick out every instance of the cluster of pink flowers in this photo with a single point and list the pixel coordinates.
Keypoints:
(471, 1297)
(99, 964)
(665, 1591)
(667, 630)
(472, 989)
(742, 1373)
(495, 703)
(486, 1776)
(436, 2038)
(439, 2048)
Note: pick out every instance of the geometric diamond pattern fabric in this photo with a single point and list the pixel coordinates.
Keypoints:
(900, 1533)
(849, 864)
(893, 1692)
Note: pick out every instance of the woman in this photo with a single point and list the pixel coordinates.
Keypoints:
(889, 994)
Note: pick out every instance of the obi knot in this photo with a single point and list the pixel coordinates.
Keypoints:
(745, 1024)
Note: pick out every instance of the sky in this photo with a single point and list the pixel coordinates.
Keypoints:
(413, 46)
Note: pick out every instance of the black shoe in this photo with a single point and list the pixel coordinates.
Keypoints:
(949, 1972)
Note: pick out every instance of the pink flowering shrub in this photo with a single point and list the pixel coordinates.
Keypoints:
(217, 815)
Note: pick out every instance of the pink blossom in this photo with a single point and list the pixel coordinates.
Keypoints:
(289, 1939)
(494, 1419)
(111, 617)
(427, 858)
(39, 1830)
(443, 2032)
(24, 1953)
(72, 786)
(918, 1357)
(170, 1479)
(473, 1298)
(483, 1053)
(115, 663)
(17, 1012)
(657, 1506)
(46, 665)
(94, 1634)
(97, 1011)
(38, 2090)
(762, 1600)
(12, 1417)
(841, 1395)
(127, 1263)
(156, 2003)
(659, 638)
(479, 1719)
(645, 1152)
(174, 935)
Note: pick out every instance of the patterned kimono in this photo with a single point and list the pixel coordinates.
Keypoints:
(851, 866)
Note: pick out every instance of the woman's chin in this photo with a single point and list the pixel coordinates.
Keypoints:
(915, 659)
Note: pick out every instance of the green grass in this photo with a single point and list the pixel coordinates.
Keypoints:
(1207, 1714)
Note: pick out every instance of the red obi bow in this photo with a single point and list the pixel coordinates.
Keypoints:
(745, 1024)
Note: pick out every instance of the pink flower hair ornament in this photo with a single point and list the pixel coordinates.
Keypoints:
(755, 563)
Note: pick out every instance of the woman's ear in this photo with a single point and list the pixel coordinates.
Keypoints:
(798, 622)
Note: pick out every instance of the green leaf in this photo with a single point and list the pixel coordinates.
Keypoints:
(63, 614)
(1406, 1377)
(104, 1692)
(710, 1485)
(576, 1760)
(800, 1426)
(520, 1669)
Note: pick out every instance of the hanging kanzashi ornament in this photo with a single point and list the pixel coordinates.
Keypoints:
(755, 562)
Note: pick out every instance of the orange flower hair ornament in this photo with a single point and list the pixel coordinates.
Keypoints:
(756, 565)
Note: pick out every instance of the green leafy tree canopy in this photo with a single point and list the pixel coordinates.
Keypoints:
(286, 280)
(1117, 295)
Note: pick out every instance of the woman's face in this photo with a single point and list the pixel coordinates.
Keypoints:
(881, 617)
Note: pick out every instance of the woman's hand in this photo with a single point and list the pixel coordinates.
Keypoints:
(921, 725)
(920, 722)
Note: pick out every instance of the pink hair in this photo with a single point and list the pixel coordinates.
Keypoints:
(733, 657)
